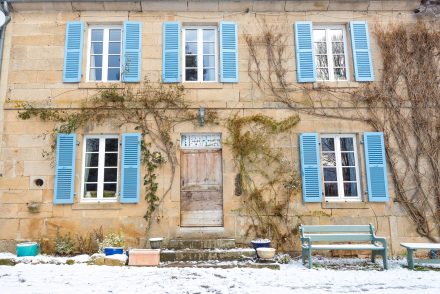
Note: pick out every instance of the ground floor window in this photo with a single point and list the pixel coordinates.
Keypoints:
(340, 167)
(100, 167)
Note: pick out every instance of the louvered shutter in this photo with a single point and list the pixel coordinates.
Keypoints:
(73, 52)
(65, 169)
(132, 45)
(130, 175)
(228, 52)
(171, 52)
(305, 59)
(310, 167)
(375, 164)
(360, 42)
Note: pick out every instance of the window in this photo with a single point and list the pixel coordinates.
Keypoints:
(340, 167)
(200, 56)
(100, 168)
(104, 58)
(330, 53)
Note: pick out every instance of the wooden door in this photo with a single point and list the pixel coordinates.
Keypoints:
(201, 188)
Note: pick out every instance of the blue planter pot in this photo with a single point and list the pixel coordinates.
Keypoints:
(259, 244)
(27, 249)
(113, 250)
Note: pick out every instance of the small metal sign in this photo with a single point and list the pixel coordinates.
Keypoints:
(201, 141)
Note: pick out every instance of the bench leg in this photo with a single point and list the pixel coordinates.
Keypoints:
(310, 257)
(409, 257)
(303, 255)
(384, 259)
(373, 256)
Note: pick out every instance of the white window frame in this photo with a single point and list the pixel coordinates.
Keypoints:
(331, 75)
(101, 162)
(340, 182)
(105, 47)
(200, 53)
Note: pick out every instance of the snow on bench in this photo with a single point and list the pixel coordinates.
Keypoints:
(411, 247)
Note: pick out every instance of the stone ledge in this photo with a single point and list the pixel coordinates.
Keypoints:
(345, 205)
(335, 85)
(206, 85)
(97, 206)
(97, 85)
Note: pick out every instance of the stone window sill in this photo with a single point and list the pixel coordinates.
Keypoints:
(335, 85)
(344, 205)
(97, 206)
(98, 85)
(189, 85)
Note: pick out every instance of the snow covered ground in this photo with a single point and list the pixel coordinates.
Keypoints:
(354, 276)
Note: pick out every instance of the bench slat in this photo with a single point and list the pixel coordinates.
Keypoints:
(421, 245)
(339, 237)
(347, 247)
(330, 228)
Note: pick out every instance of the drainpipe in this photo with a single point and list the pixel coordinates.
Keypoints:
(5, 10)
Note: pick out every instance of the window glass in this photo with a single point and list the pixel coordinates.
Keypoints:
(330, 55)
(339, 167)
(100, 167)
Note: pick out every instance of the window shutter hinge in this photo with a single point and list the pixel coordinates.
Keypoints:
(361, 141)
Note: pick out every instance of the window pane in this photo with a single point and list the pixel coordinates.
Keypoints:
(319, 35)
(92, 159)
(338, 48)
(115, 35)
(328, 159)
(340, 73)
(111, 159)
(330, 174)
(347, 159)
(114, 74)
(111, 144)
(92, 145)
(109, 190)
(336, 35)
(95, 74)
(96, 48)
(338, 61)
(208, 35)
(331, 189)
(321, 61)
(320, 48)
(97, 35)
(191, 48)
(209, 74)
(349, 173)
(96, 61)
(208, 48)
(328, 144)
(350, 189)
(191, 61)
(191, 35)
(91, 175)
(347, 144)
(322, 74)
(114, 48)
(90, 190)
(110, 174)
(114, 61)
(191, 74)
(208, 61)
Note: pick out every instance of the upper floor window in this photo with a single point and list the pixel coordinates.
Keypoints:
(200, 56)
(340, 167)
(100, 168)
(330, 53)
(104, 58)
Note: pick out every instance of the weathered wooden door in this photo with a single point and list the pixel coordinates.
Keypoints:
(201, 188)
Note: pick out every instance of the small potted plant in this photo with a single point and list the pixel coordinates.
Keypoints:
(112, 244)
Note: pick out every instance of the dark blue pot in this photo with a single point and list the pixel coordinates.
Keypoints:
(113, 250)
(256, 245)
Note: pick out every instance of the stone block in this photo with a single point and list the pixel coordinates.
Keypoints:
(307, 5)
(234, 5)
(174, 5)
(348, 5)
(9, 228)
(20, 196)
(203, 5)
(268, 6)
(19, 183)
(38, 168)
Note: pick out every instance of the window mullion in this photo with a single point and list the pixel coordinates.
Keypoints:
(341, 194)
(101, 159)
(329, 55)
(105, 45)
(200, 55)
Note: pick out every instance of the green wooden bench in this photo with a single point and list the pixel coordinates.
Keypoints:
(317, 237)
(411, 247)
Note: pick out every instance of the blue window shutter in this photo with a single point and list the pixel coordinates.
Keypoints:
(130, 175)
(310, 167)
(171, 52)
(305, 59)
(73, 52)
(360, 42)
(131, 52)
(65, 169)
(376, 167)
(228, 52)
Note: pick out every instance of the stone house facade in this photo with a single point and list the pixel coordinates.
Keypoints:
(63, 51)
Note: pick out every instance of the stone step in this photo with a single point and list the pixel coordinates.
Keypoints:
(201, 243)
(222, 265)
(236, 254)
